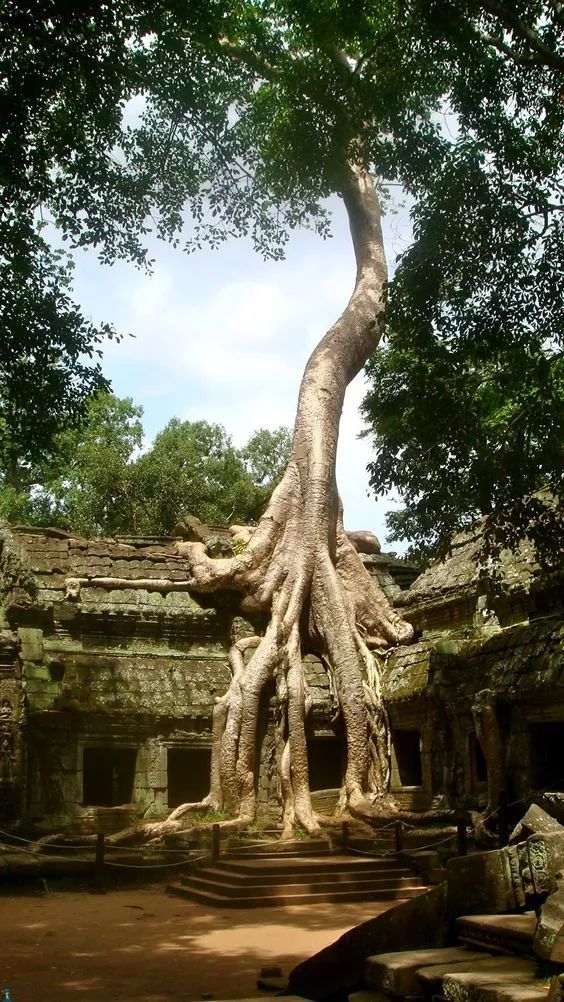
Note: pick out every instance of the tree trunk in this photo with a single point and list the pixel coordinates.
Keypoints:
(300, 567)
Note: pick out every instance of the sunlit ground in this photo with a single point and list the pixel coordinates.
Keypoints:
(149, 946)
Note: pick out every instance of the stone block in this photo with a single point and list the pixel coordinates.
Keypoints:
(396, 973)
(556, 989)
(549, 938)
(553, 849)
(31, 642)
(536, 821)
(499, 979)
(431, 978)
(481, 883)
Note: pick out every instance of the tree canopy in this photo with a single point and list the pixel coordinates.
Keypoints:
(467, 398)
(248, 109)
(97, 481)
(193, 467)
(59, 102)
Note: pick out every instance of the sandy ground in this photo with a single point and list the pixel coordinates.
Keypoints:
(146, 945)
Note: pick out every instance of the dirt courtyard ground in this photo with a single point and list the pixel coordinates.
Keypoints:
(143, 944)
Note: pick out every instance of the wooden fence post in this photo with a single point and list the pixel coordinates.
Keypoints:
(99, 871)
(398, 835)
(216, 846)
(461, 839)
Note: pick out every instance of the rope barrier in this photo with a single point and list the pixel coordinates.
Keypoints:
(149, 866)
(388, 852)
(80, 848)
(141, 866)
(256, 842)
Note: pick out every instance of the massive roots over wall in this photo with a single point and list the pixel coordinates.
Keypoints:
(328, 601)
(300, 568)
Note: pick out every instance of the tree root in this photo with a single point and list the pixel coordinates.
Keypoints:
(339, 610)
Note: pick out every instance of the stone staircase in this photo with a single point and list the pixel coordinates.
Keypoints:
(252, 876)
(493, 962)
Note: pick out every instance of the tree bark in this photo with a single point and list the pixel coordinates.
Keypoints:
(300, 567)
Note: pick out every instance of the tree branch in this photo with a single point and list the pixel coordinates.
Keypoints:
(520, 28)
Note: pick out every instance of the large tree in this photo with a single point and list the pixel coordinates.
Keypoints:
(61, 86)
(467, 398)
(255, 112)
(96, 481)
(193, 468)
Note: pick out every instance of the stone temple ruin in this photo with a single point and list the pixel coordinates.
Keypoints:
(109, 668)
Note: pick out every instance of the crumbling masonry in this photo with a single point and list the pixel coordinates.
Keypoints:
(109, 669)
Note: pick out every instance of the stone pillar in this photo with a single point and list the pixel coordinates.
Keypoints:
(491, 741)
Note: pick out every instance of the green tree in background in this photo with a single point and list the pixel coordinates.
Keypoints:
(97, 482)
(194, 468)
(85, 484)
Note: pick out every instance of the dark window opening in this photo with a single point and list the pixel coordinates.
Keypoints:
(108, 776)
(547, 760)
(188, 775)
(325, 763)
(477, 762)
(407, 757)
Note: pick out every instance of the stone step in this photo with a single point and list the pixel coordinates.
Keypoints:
(502, 979)
(237, 877)
(260, 998)
(368, 996)
(503, 933)
(242, 855)
(369, 886)
(432, 978)
(301, 866)
(397, 973)
(271, 847)
(365, 843)
(311, 897)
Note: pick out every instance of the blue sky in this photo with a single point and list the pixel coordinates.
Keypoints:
(223, 336)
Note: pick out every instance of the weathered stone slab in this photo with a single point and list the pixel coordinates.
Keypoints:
(481, 883)
(397, 972)
(506, 933)
(549, 938)
(556, 989)
(536, 821)
(431, 977)
(31, 644)
(369, 996)
(507, 977)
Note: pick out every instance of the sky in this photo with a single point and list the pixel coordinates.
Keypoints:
(224, 336)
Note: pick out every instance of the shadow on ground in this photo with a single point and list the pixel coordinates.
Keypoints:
(142, 944)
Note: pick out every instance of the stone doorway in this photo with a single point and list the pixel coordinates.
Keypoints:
(188, 775)
(108, 776)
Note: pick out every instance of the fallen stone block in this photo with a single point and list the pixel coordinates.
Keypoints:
(536, 821)
(549, 937)
(553, 804)
(481, 883)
